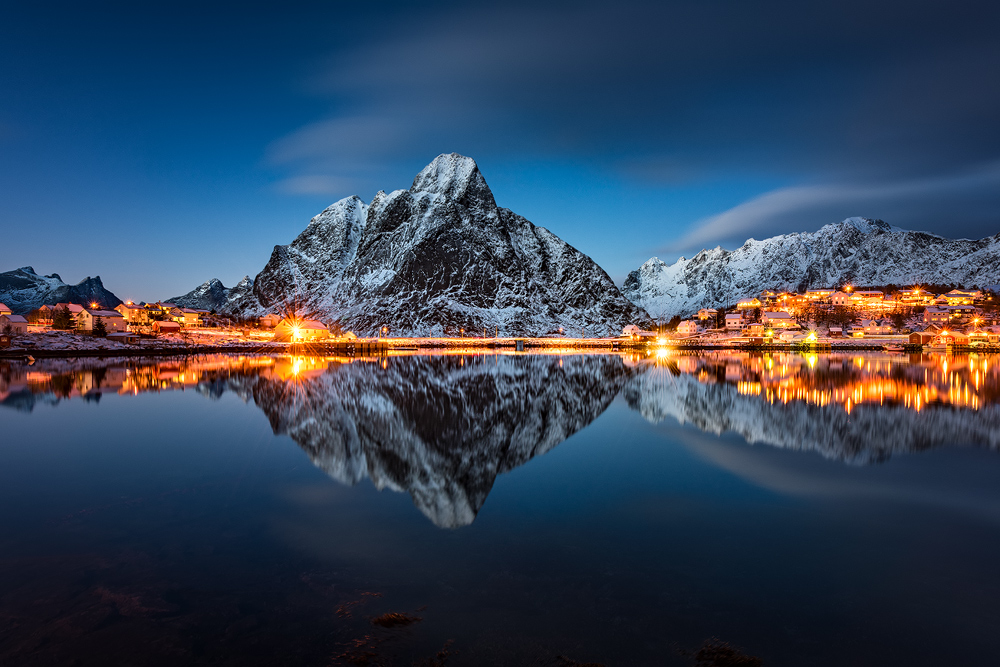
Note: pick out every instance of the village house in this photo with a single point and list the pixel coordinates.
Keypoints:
(687, 328)
(73, 308)
(734, 322)
(112, 319)
(748, 304)
(933, 315)
(708, 314)
(876, 327)
(960, 297)
(186, 317)
(755, 329)
(133, 313)
(166, 326)
(777, 319)
(17, 323)
(296, 331)
(835, 332)
(820, 295)
(4, 310)
(841, 299)
(916, 296)
(41, 315)
(962, 313)
(868, 296)
(768, 296)
(270, 321)
(925, 337)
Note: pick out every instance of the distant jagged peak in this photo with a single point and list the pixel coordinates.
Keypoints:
(865, 225)
(456, 178)
(28, 269)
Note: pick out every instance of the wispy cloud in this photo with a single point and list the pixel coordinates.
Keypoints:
(802, 208)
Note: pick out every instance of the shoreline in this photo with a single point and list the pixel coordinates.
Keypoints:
(366, 347)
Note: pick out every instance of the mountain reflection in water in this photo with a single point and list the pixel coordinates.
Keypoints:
(442, 427)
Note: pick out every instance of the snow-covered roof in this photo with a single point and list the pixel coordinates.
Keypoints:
(14, 318)
(4, 307)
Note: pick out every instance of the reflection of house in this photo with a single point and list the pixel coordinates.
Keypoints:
(294, 331)
(777, 319)
(17, 323)
(112, 319)
(734, 322)
(687, 327)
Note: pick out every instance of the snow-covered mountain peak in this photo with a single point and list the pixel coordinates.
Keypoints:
(435, 259)
(456, 178)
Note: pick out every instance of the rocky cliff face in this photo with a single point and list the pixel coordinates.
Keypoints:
(436, 258)
(23, 290)
(213, 295)
(439, 428)
(858, 250)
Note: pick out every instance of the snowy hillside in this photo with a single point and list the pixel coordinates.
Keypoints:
(436, 258)
(23, 290)
(858, 250)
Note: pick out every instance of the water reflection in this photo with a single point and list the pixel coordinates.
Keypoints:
(442, 427)
(856, 407)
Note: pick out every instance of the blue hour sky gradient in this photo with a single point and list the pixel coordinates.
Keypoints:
(162, 144)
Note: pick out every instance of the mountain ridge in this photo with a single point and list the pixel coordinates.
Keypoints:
(23, 290)
(860, 250)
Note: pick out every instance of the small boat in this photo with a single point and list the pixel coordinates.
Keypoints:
(894, 348)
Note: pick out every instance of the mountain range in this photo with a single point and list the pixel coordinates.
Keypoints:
(436, 259)
(23, 290)
(858, 250)
(213, 295)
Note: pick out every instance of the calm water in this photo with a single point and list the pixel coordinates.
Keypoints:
(837, 509)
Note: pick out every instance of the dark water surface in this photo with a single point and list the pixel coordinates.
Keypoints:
(839, 509)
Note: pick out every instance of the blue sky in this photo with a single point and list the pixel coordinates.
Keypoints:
(162, 144)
